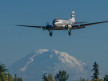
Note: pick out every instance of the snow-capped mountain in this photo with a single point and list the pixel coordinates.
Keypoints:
(33, 66)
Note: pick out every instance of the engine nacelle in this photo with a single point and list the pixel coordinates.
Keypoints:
(49, 26)
(68, 26)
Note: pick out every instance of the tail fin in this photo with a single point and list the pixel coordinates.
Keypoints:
(73, 16)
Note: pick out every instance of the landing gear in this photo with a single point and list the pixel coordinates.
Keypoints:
(69, 32)
(50, 33)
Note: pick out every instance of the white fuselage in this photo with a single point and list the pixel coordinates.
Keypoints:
(63, 23)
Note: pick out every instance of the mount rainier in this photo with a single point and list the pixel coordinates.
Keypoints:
(34, 65)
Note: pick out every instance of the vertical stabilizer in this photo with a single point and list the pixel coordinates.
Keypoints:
(73, 16)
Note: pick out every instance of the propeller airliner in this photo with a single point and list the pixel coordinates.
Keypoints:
(61, 24)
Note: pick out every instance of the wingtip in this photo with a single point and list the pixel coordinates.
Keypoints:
(18, 25)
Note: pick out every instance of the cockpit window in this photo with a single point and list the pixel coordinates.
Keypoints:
(56, 21)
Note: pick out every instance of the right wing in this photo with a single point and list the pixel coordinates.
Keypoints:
(88, 24)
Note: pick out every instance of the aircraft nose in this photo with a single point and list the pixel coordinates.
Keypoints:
(54, 22)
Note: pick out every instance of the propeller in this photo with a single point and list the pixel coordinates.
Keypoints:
(47, 23)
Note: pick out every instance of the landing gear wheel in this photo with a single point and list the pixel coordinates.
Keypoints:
(69, 33)
(50, 33)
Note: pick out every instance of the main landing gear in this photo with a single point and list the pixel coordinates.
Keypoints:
(69, 32)
(50, 33)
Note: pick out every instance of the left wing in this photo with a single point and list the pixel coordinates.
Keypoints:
(33, 26)
(84, 25)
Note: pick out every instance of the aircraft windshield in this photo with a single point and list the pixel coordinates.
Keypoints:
(56, 21)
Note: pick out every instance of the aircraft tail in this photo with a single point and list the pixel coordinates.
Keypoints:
(73, 16)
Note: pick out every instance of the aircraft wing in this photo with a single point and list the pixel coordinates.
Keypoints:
(44, 27)
(84, 25)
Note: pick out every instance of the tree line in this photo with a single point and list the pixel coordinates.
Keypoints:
(63, 76)
(60, 76)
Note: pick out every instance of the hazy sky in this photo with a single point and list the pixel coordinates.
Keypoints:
(88, 45)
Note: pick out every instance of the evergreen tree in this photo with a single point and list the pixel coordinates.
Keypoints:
(19, 79)
(50, 77)
(10, 77)
(3, 74)
(3, 77)
(61, 76)
(97, 80)
(96, 71)
(45, 77)
(106, 78)
(3, 68)
(82, 79)
(15, 77)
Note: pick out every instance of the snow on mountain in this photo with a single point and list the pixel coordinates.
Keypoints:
(34, 65)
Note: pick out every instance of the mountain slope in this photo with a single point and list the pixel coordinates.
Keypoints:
(41, 61)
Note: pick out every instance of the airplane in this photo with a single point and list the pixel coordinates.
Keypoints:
(61, 24)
